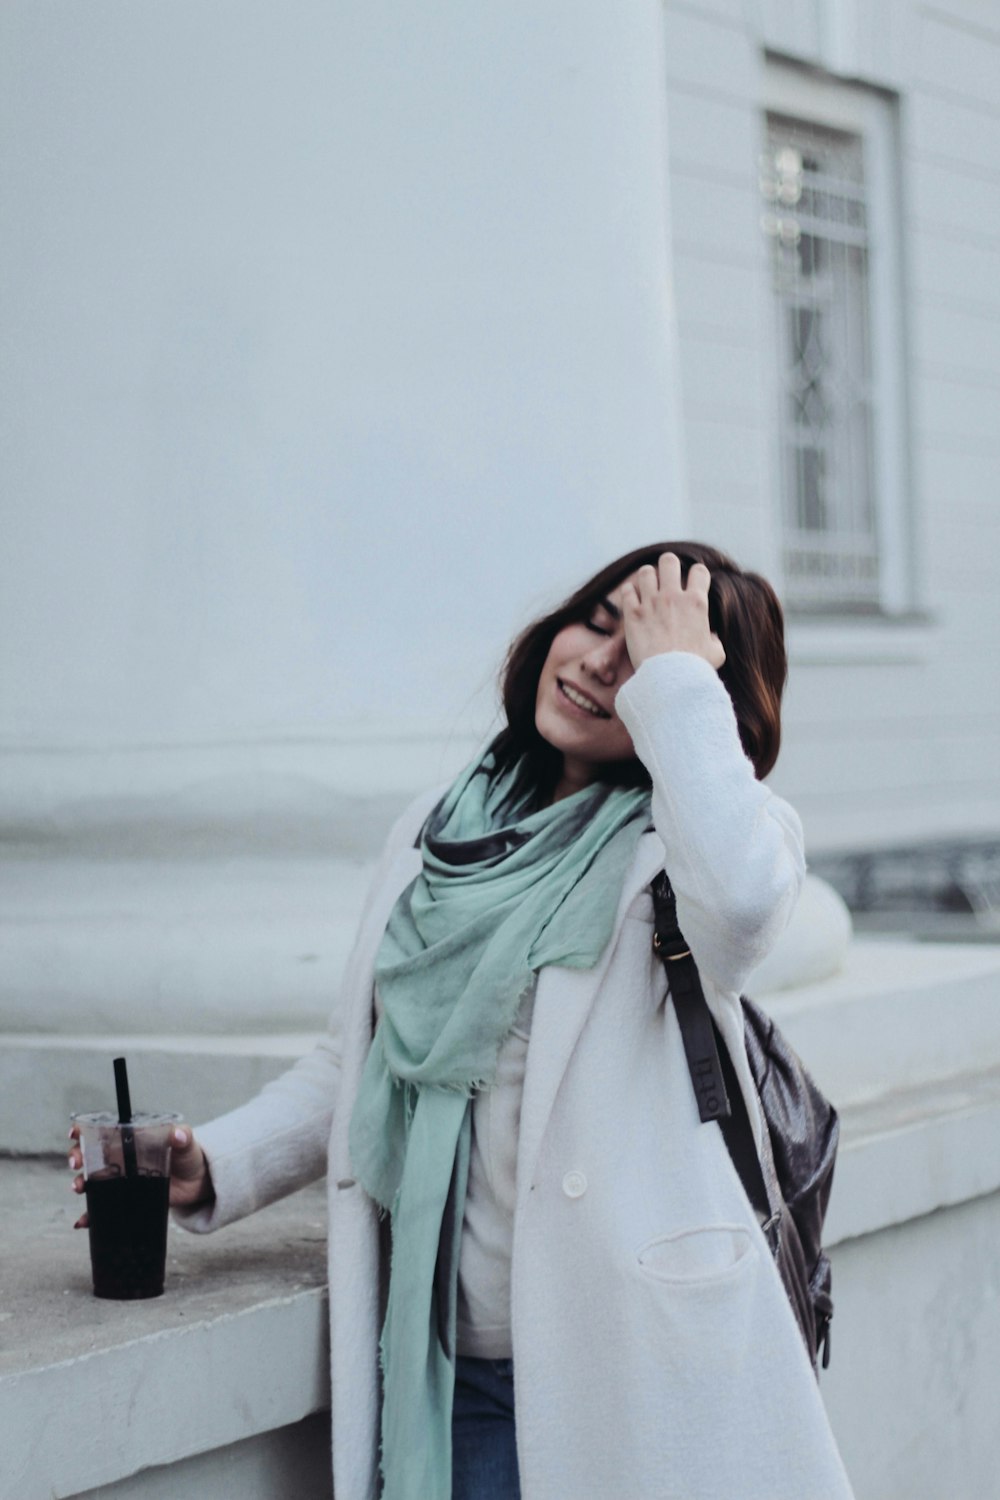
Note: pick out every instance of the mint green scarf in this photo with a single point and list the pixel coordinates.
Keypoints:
(503, 891)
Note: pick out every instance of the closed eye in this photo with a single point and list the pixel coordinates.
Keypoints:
(597, 629)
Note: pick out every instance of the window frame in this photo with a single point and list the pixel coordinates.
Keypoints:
(802, 93)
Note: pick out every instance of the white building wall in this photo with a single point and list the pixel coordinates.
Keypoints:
(713, 87)
(316, 315)
(339, 339)
(893, 726)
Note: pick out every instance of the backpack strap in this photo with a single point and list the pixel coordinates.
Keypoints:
(716, 1085)
(693, 1015)
(737, 1132)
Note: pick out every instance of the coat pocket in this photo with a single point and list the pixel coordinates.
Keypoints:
(706, 1256)
(699, 1299)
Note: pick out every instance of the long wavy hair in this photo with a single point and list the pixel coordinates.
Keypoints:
(743, 611)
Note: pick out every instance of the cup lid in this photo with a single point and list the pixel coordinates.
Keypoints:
(142, 1119)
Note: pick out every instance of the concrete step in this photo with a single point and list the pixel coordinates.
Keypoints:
(898, 1014)
(224, 1378)
(219, 1387)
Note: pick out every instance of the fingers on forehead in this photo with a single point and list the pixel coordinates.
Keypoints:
(698, 573)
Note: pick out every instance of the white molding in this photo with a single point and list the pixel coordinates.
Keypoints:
(840, 35)
(73, 794)
(673, 416)
(883, 641)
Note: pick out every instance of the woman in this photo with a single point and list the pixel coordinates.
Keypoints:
(520, 1190)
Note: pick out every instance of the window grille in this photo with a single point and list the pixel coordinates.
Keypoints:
(816, 218)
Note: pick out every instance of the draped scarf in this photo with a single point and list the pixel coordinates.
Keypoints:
(503, 890)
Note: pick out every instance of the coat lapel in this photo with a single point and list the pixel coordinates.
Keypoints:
(562, 1003)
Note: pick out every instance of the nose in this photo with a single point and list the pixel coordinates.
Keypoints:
(603, 660)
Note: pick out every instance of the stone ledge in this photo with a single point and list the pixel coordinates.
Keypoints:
(906, 1041)
(162, 1397)
(92, 1392)
(292, 1461)
(238, 1345)
(915, 1151)
(897, 1015)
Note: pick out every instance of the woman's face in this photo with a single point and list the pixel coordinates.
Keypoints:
(575, 705)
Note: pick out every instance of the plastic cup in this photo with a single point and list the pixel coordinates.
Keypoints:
(126, 1171)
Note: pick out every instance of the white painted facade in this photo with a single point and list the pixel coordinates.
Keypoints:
(892, 724)
(341, 342)
(341, 339)
(338, 343)
(317, 317)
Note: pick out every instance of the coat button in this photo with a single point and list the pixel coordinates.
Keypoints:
(574, 1184)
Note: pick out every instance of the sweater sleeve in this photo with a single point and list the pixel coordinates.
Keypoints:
(733, 848)
(277, 1142)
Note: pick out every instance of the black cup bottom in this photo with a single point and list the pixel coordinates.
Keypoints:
(128, 1235)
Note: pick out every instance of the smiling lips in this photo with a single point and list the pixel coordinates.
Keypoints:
(582, 700)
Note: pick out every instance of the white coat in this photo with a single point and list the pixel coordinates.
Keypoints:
(655, 1354)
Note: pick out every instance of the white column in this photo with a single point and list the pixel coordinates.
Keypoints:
(342, 342)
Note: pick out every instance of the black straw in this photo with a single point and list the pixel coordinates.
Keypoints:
(125, 1118)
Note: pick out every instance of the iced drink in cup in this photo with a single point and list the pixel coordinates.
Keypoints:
(126, 1171)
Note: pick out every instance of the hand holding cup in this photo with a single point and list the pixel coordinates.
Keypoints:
(190, 1182)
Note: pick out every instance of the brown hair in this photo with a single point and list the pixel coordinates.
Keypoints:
(743, 611)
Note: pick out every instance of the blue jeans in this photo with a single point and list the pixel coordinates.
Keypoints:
(484, 1455)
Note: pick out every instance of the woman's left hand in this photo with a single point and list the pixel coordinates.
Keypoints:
(662, 614)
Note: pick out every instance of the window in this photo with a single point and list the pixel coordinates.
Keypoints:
(827, 215)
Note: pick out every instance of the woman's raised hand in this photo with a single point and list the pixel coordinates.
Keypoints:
(190, 1180)
(661, 614)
